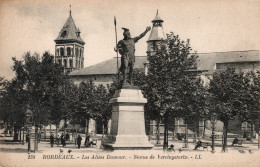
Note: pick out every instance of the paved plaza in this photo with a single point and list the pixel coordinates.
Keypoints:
(15, 154)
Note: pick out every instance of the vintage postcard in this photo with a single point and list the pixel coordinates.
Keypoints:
(129, 83)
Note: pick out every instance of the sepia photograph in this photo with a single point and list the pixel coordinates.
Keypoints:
(129, 83)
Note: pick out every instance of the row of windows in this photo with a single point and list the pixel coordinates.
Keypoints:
(61, 52)
(65, 63)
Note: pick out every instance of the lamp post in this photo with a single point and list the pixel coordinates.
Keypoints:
(29, 127)
(213, 122)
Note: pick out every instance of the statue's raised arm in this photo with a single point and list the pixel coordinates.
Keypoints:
(148, 28)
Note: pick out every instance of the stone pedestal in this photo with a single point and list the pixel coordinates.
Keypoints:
(128, 124)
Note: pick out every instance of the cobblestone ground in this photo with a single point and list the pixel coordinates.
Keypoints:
(15, 154)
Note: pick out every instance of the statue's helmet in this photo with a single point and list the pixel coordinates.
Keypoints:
(126, 31)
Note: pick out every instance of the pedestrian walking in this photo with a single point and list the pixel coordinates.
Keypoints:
(52, 140)
(62, 138)
(79, 141)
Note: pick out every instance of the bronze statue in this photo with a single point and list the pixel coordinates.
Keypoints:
(126, 48)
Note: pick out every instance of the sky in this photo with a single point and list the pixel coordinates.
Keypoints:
(211, 25)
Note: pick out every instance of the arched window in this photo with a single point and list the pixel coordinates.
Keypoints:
(80, 53)
(68, 51)
(62, 51)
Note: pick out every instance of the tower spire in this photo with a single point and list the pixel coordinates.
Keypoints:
(70, 10)
(157, 32)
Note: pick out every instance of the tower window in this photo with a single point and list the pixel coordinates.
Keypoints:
(62, 51)
(59, 61)
(71, 63)
(157, 24)
(65, 63)
(57, 52)
(68, 51)
(64, 34)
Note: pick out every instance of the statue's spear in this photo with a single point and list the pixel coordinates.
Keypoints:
(116, 49)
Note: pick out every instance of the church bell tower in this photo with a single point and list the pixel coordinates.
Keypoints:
(69, 48)
(157, 34)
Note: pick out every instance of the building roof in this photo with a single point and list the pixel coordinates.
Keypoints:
(206, 62)
(157, 18)
(69, 32)
(108, 67)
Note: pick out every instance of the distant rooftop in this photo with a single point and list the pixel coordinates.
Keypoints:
(206, 61)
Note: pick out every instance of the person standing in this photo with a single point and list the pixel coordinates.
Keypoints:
(79, 141)
(62, 138)
(87, 140)
(52, 140)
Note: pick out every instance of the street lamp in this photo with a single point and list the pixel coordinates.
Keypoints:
(213, 121)
(29, 127)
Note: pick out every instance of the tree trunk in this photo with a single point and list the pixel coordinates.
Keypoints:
(158, 131)
(23, 137)
(36, 139)
(106, 128)
(65, 126)
(86, 130)
(252, 130)
(204, 129)
(15, 137)
(40, 133)
(86, 126)
(225, 131)
(56, 130)
(165, 140)
(50, 129)
(20, 133)
(195, 132)
(103, 130)
(259, 139)
(44, 132)
(186, 135)
(173, 129)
